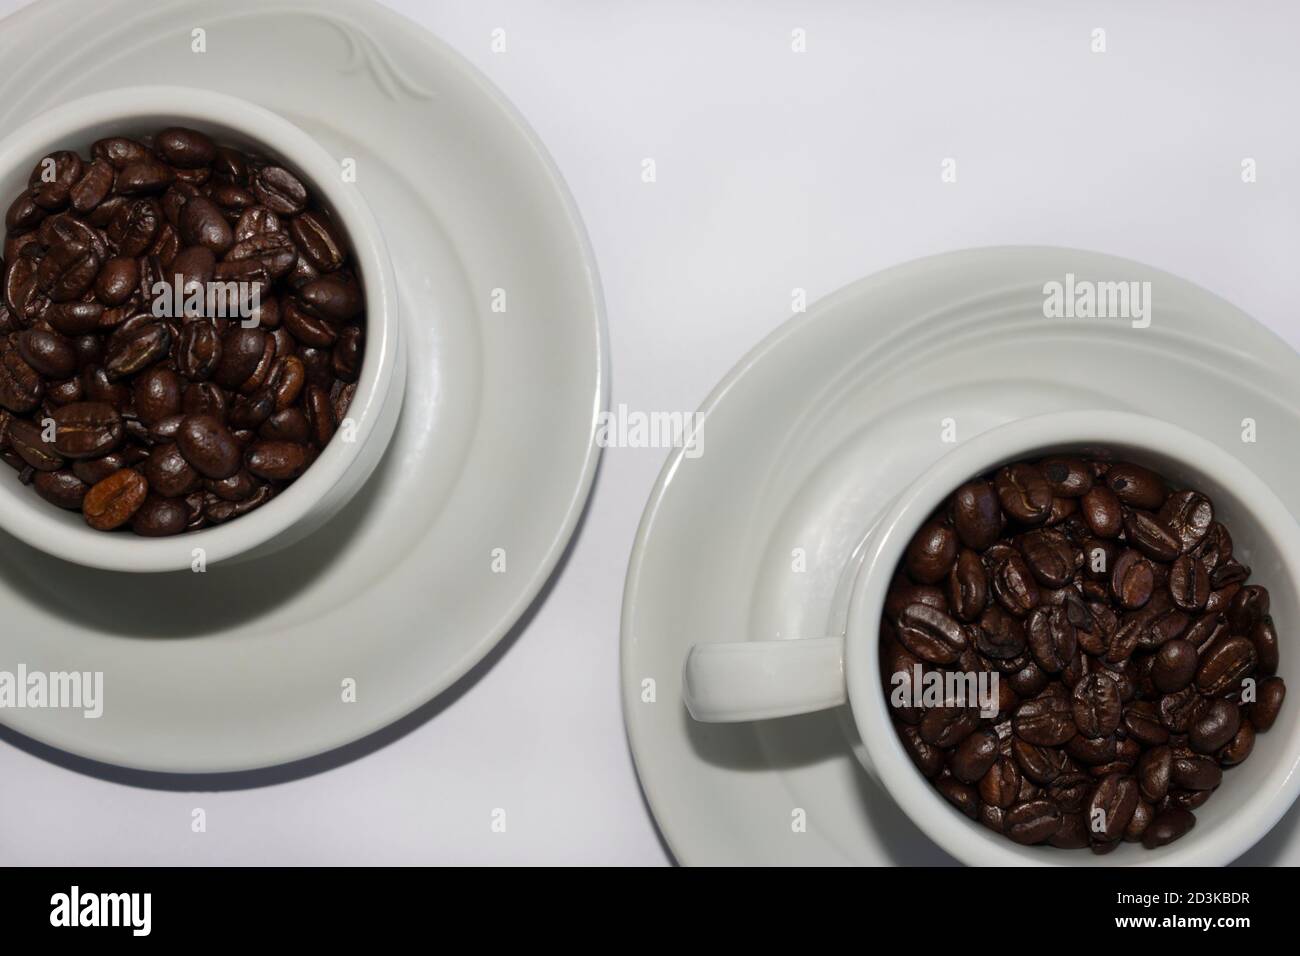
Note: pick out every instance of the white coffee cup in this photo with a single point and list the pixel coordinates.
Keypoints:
(757, 680)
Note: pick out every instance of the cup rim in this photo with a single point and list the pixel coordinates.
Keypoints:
(39, 523)
(895, 770)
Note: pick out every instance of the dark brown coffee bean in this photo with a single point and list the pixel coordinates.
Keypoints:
(160, 517)
(1167, 826)
(279, 190)
(1195, 773)
(1013, 585)
(1097, 707)
(1067, 477)
(147, 176)
(199, 351)
(157, 394)
(928, 633)
(1033, 821)
(209, 446)
(1153, 772)
(202, 224)
(976, 515)
(169, 474)
(93, 187)
(1024, 493)
(1112, 806)
(974, 756)
(276, 460)
(1189, 514)
(1175, 666)
(61, 488)
(1189, 584)
(87, 430)
(315, 237)
(1263, 711)
(112, 502)
(1000, 636)
(1145, 532)
(347, 354)
(1046, 721)
(1224, 664)
(1053, 639)
(1136, 486)
(1000, 784)
(967, 586)
(137, 349)
(75, 319)
(242, 352)
(50, 184)
(927, 757)
(1142, 721)
(29, 441)
(186, 148)
(1214, 726)
(1248, 605)
(1132, 580)
(1102, 512)
(1239, 747)
(931, 553)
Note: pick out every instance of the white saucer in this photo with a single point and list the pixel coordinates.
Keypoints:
(243, 667)
(812, 433)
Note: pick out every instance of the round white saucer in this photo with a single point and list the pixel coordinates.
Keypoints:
(820, 426)
(251, 665)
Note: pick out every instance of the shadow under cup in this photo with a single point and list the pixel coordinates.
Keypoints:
(1273, 759)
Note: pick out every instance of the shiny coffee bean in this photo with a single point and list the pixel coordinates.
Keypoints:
(1024, 493)
(1034, 821)
(114, 501)
(931, 553)
(1263, 712)
(208, 445)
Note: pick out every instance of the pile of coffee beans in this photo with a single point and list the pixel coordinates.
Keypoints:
(180, 335)
(1133, 661)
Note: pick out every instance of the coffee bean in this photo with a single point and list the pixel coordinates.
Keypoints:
(1097, 707)
(1224, 664)
(112, 502)
(87, 430)
(1239, 747)
(1148, 535)
(1194, 773)
(1189, 583)
(279, 190)
(1189, 514)
(931, 553)
(1167, 826)
(1013, 585)
(61, 488)
(930, 634)
(1102, 512)
(974, 756)
(169, 473)
(927, 757)
(202, 224)
(1132, 580)
(315, 237)
(1046, 721)
(160, 517)
(1024, 493)
(187, 148)
(1263, 712)
(208, 445)
(1136, 486)
(976, 515)
(1175, 666)
(1000, 636)
(49, 353)
(1067, 477)
(1214, 726)
(137, 349)
(1112, 806)
(29, 442)
(276, 460)
(967, 586)
(1033, 821)
(1153, 772)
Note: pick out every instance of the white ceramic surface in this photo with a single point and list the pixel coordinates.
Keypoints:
(492, 459)
(1253, 796)
(813, 434)
(344, 466)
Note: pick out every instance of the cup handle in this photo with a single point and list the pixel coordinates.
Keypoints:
(756, 680)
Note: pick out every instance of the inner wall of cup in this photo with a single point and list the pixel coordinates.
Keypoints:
(1255, 546)
(14, 180)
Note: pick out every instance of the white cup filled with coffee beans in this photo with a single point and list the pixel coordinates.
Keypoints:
(1066, 644)
(200, 346)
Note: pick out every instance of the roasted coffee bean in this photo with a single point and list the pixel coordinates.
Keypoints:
(279, 190)
(1175, 666)
(202, 224)
(1153, 772)
(974, 756)
(1214, 726)
(1240, 746)
(947, 726)
(1053, 639)
(1132, 580)
(1189, 583)
(1067, 477)
(75, 319)
(160, 517)
(1136, 486)
(315, 237)
(1024, 493)
(901, 596)
(137, 349)
(114, 501)
(347, 354)
(1112, 806)
(1167, 826)
(930, 634)
(49, 353)
(976, 515)
(1224, 664)
(1145, 532)
(208, 445)
(1000, 784)
(1192, 772)
(147, 176)
(242, 352)
(1248, 605)
(1000, 636)
(1097, 707)
(1142, 721)
(1046, 721)
(276, 460)
(1102, 512)
(1049, 556)
(927, 757)
(1189, 514)
(61, 488)
(1013, 585)
(1263, 712)
(29, 441)
(199, 351)
(87, 430)
(931, 553)
(169, 474)
(967, 586)
(187, 148)
(1033, 821)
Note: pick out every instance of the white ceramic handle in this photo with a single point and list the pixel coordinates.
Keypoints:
(755, 680)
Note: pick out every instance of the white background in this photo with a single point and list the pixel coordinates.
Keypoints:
(775, 170)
